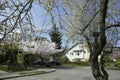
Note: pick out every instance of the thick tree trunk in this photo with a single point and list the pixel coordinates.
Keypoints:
(102, 61)
(98, 70)
(102, 42)
(94, 58)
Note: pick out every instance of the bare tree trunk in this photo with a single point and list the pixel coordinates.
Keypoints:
(102, 61)
(98, 70)
(94, 59)
(102, 42)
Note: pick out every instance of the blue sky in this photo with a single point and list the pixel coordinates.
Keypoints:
(41, 17)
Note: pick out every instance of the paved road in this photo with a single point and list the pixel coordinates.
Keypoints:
(69, 73)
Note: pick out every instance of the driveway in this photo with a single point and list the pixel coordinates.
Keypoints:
(69, 73)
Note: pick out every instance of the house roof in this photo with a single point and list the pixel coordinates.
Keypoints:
(79, 51)
(73, 46)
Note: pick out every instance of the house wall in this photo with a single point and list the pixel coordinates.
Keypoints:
(83, 54)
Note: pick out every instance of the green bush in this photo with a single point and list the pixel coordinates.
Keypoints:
(64, 59)
(11, 52)
(78, 63)
(117, 63)
(29, 59)
(2, 58)
(16, 67)
(107, 58)
(4, 67)
(108, 62)
(83, 63)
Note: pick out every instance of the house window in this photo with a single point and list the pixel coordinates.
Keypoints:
(78, 53)
(71, 53)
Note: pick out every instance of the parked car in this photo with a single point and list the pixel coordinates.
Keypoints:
(54, 63)
(46, 63)
(38, 62)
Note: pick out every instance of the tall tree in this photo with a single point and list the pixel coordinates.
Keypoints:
(56, 36)
(99, 43)
(41, 48)
(90, 19)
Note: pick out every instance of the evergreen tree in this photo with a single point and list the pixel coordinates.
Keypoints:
(56, 36)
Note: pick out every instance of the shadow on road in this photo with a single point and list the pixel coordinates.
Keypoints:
(63, 67)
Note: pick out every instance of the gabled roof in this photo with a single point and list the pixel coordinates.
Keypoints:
(73, 46)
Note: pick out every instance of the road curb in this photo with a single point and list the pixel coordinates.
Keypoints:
(9, 77)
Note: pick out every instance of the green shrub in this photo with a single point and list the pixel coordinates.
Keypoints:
(117, 63)
(4, 67)
(2, 58)
(108, 62)
(11, 52)
(29, 59)
(107, 58)
(83, 63)
(78, 63)
(16, 67)
(64, 59)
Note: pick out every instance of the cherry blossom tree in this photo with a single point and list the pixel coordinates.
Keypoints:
(47, 48)
(115, 56)
(43, 49)
(28, 46)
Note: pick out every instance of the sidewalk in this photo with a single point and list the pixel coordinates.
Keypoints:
(5, 75)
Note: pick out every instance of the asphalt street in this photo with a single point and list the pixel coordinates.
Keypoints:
(69, 73)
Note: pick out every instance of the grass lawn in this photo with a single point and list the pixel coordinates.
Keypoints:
(76, 64)
(31, 72)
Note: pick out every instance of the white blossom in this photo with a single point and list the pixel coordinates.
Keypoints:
(36, 47)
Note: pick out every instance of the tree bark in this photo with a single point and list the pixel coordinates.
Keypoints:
(102, 61)
(103, 12)
(98, 70)
(95, 70)
(94, 58)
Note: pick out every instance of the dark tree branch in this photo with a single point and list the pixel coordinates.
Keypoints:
(19, 16)
(94, 15)
(111, 26)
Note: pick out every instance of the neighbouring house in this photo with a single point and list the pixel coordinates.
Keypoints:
(115, 55)
(79, 51)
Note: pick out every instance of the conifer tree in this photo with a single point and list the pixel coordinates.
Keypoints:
(56, 36)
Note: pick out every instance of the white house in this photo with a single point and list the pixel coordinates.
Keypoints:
(78, 52)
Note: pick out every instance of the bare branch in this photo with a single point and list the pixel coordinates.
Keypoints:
(94, 15)
(29, 4)
(114, 25)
